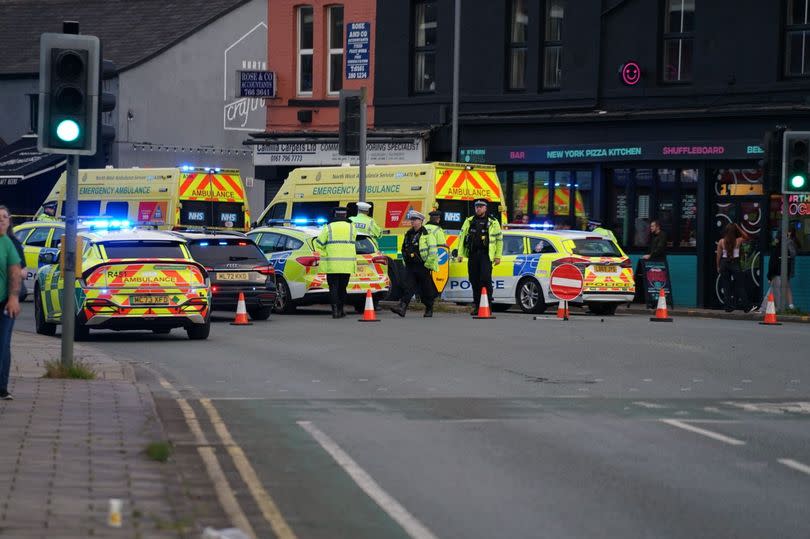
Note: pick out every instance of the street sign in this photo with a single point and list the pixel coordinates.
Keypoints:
(566, 282)
(256, 83)
(358, 39)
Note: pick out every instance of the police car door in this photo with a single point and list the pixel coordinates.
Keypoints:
(506, 275)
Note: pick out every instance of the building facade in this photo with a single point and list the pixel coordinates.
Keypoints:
(619, 111)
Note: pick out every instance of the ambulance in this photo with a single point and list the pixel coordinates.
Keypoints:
(165, 198)
(308, 194)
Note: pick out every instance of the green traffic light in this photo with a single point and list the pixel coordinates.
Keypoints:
(798, 181)
(67, 130)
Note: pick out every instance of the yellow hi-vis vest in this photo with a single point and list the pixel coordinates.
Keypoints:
(438, 233)
(365, 225)
(336, 245)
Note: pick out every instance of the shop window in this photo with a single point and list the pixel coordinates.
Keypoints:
(797, 39)
(678, 40)
(799, 221)
(518, 45)
(305, 50)
(552, 45)
(541, 207)
(335, 39)
(424, 46)
(520, 195)
(583, 203)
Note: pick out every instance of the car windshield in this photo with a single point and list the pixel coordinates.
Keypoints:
(213, 252)
(143, 249)
(595, 247)
(365, 246)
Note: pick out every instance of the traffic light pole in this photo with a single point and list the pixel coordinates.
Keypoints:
(69, 269)
(362, 195)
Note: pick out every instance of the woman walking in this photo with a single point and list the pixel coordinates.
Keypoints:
(732, 279)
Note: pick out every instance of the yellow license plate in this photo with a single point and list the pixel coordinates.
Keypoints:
(233, 276)
(149, 300)
(606, 269)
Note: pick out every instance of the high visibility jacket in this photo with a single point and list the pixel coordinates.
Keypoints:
(605, 232)
(365, 225)
(428, 251)
(495, 238)
(438, 233)
(336, 246)
(46, 217)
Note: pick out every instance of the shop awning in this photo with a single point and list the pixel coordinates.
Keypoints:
(27, 176)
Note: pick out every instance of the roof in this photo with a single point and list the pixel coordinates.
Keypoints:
(561, 234)
(133, 235)
(210, 235)
(300, 231)
(131, 31)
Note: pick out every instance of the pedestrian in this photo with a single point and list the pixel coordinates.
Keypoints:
(434, 227)
(597, 228)
(481, 241)
(658, 243)
(421, 257)
(363, 223)
(336, 246)
(21, 252)
(10, 281)
(727, 259)
(775, 271)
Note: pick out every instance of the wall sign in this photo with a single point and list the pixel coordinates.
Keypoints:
(358, 38)
(631, 73)
(256, 83)
(408, 151)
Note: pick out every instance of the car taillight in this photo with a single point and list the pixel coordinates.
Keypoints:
(214, 289)
(379, 260)
(627, 263)
(265, 270)
(308, 261)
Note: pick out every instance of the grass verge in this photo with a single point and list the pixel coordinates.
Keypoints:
(159, 451)
(77, 371)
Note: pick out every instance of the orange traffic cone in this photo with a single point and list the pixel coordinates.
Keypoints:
(562, 310)
(661, 311)
(770, 313)
(368, 312)
(484, 312)
(241, 313)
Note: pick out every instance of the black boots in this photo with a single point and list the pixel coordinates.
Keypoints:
(428, 311)
(337, 312)
(400, 309)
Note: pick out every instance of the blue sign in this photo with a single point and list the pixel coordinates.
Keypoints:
(358, 38)
(256, 83)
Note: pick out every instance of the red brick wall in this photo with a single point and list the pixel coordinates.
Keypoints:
(283, 57)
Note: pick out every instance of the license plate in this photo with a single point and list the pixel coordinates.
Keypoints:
(233, 276)
(149, 300)
(611, 270)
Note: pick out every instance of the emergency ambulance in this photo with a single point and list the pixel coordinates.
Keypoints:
(166, 198)
(308, 194)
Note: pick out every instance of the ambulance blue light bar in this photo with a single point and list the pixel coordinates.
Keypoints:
(107, 224)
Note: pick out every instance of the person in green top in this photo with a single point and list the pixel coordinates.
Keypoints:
(10, 281)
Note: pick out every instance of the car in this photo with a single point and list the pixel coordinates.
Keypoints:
(35, 237)
(129, 280)
(291, 252)
(530, 254)
(234, 264)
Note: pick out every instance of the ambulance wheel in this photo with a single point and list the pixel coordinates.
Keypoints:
(42, 327)
(529, 296)
(199, 332)
(260, 313)
(603, 309)
(284, 303)
(80, 331)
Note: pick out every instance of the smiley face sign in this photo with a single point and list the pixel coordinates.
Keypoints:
(631, 73)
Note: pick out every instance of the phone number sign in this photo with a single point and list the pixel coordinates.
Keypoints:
(256, 83)
(358, 39)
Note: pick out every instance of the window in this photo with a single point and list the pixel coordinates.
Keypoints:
(520, 195)
(595, 247)
(143, 249)
(195, 213)
(118, 210)
(271, 243)
(541, 246)
(552, 45)
(365, 246)
(305, 51)
(89, 208)
(518, 45)
(678, 40)
(797, 39)
(424, 49)
(217, 253)
(309, 212)
(335, 40)
(38, 237)
(228, 215)
(513, 245)
(276, 213)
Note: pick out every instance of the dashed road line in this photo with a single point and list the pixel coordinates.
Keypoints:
(697, 430)
(409, 523)
(796, 465)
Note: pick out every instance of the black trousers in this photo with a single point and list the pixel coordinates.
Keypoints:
(418, 281)
(479, 268)
(732, 285)
(337, 288)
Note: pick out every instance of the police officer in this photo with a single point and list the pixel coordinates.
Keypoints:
(435, 228)
(597, 228)
(365, 224)
(481, 241)
(421, 256)
(48, 212)
(336, 246)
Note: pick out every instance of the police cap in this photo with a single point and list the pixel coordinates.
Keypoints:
(340, 212)
(435, 213)
(413, 214)
(480, 202)
(363, 206)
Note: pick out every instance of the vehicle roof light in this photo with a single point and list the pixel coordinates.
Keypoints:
(223, 243)
(203, 244)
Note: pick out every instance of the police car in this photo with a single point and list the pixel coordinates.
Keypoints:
(529, 256)
(35, 237)
(290, 250)
(133, 279)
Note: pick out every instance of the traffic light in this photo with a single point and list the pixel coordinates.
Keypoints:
(771, 162)
(797, 162)
(68, 94)
(106, 103)
(349, 132)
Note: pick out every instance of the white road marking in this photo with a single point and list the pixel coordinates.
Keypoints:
(686, 389)
(647, 380)
(795, 407)
(697, 380)
(697, 430)
(387, 503)
(633, 389)
(645, 404)
(736, 389)
(796, 465)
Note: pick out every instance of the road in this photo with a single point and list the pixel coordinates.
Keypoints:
(514, 427)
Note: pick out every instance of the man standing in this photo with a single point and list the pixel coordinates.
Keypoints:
(481, 241)
(365, 224)
(421, 256)
(336, 246)
(48, 212)
(10, 279)
(435, 228)
(658, 243)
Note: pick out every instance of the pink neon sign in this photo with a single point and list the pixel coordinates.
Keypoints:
(631, 73)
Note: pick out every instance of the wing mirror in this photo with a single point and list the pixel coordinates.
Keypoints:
(47, 257)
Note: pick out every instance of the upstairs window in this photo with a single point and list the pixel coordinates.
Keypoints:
(678, 40)
(305, 50)
(518, 44)
(335, 40)
(552, 45)
(424, 46)
(797, 39)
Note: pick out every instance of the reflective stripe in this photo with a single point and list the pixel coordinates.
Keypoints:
(343, 259)
(332, 242)
(329, 228)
